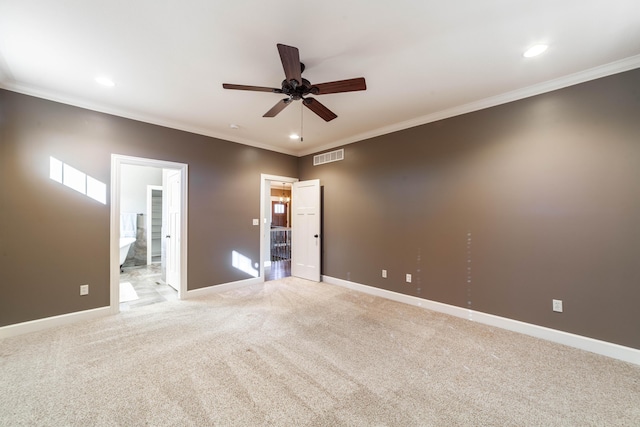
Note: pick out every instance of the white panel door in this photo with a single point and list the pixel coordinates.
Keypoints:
(173, 235)
(305, 236)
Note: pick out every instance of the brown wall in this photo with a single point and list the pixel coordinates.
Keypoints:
(53, 239)
(501, 210)
(530, 201)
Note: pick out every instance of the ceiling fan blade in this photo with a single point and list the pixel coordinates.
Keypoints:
(322, 111)
(349, 85)
(290, 58)
(281, 105)
(253, 88)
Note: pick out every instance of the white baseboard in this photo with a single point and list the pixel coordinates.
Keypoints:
(66, 319)
(604, 348)
(50, 322)
(214, 289)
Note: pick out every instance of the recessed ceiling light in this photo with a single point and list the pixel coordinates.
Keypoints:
(234, 126)
(294, 136)
(105, 81)
(535, 50)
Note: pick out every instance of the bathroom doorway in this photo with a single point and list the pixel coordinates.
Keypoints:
(138, 280)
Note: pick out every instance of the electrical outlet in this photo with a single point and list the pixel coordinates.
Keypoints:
(384, 274)
(557, 305)
(84, 289)
(408, 278)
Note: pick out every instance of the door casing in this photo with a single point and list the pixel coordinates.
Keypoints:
(265, 208)
(117, 160)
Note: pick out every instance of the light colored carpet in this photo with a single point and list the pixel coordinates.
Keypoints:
(299, 353)
(127, 293)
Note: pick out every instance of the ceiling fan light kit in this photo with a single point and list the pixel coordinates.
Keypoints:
(298, 88)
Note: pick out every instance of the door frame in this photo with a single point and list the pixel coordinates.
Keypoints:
(117, 160)
(265, 200)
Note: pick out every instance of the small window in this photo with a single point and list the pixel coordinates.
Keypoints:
(278, 208)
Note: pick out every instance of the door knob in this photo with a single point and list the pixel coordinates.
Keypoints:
(315, 235)
(167, 236)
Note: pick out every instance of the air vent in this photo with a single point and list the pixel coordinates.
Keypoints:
(331, 156)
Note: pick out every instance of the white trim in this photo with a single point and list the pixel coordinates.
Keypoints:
(118, 160)
(51, 322)
(615, 351)
(216, 289)
(85, 315)
(265, 195)
(616, 67)
(145, 118)
(604, 348)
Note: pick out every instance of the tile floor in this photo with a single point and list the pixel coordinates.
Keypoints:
(148, 286)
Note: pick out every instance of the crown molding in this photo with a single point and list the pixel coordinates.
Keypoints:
(616, 67)
(75, 102)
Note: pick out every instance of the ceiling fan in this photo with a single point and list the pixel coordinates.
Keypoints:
(298, 88)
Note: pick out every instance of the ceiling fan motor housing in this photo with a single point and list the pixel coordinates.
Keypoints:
(297, 91)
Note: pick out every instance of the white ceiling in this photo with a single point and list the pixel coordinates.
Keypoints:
(423, 60)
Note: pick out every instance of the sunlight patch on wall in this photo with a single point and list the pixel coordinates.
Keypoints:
(243, 263)
(77, 180)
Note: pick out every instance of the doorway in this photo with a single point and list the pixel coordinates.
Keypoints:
(276, 230)
(174, 248)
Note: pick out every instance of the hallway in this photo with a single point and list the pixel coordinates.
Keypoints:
(277, 270)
